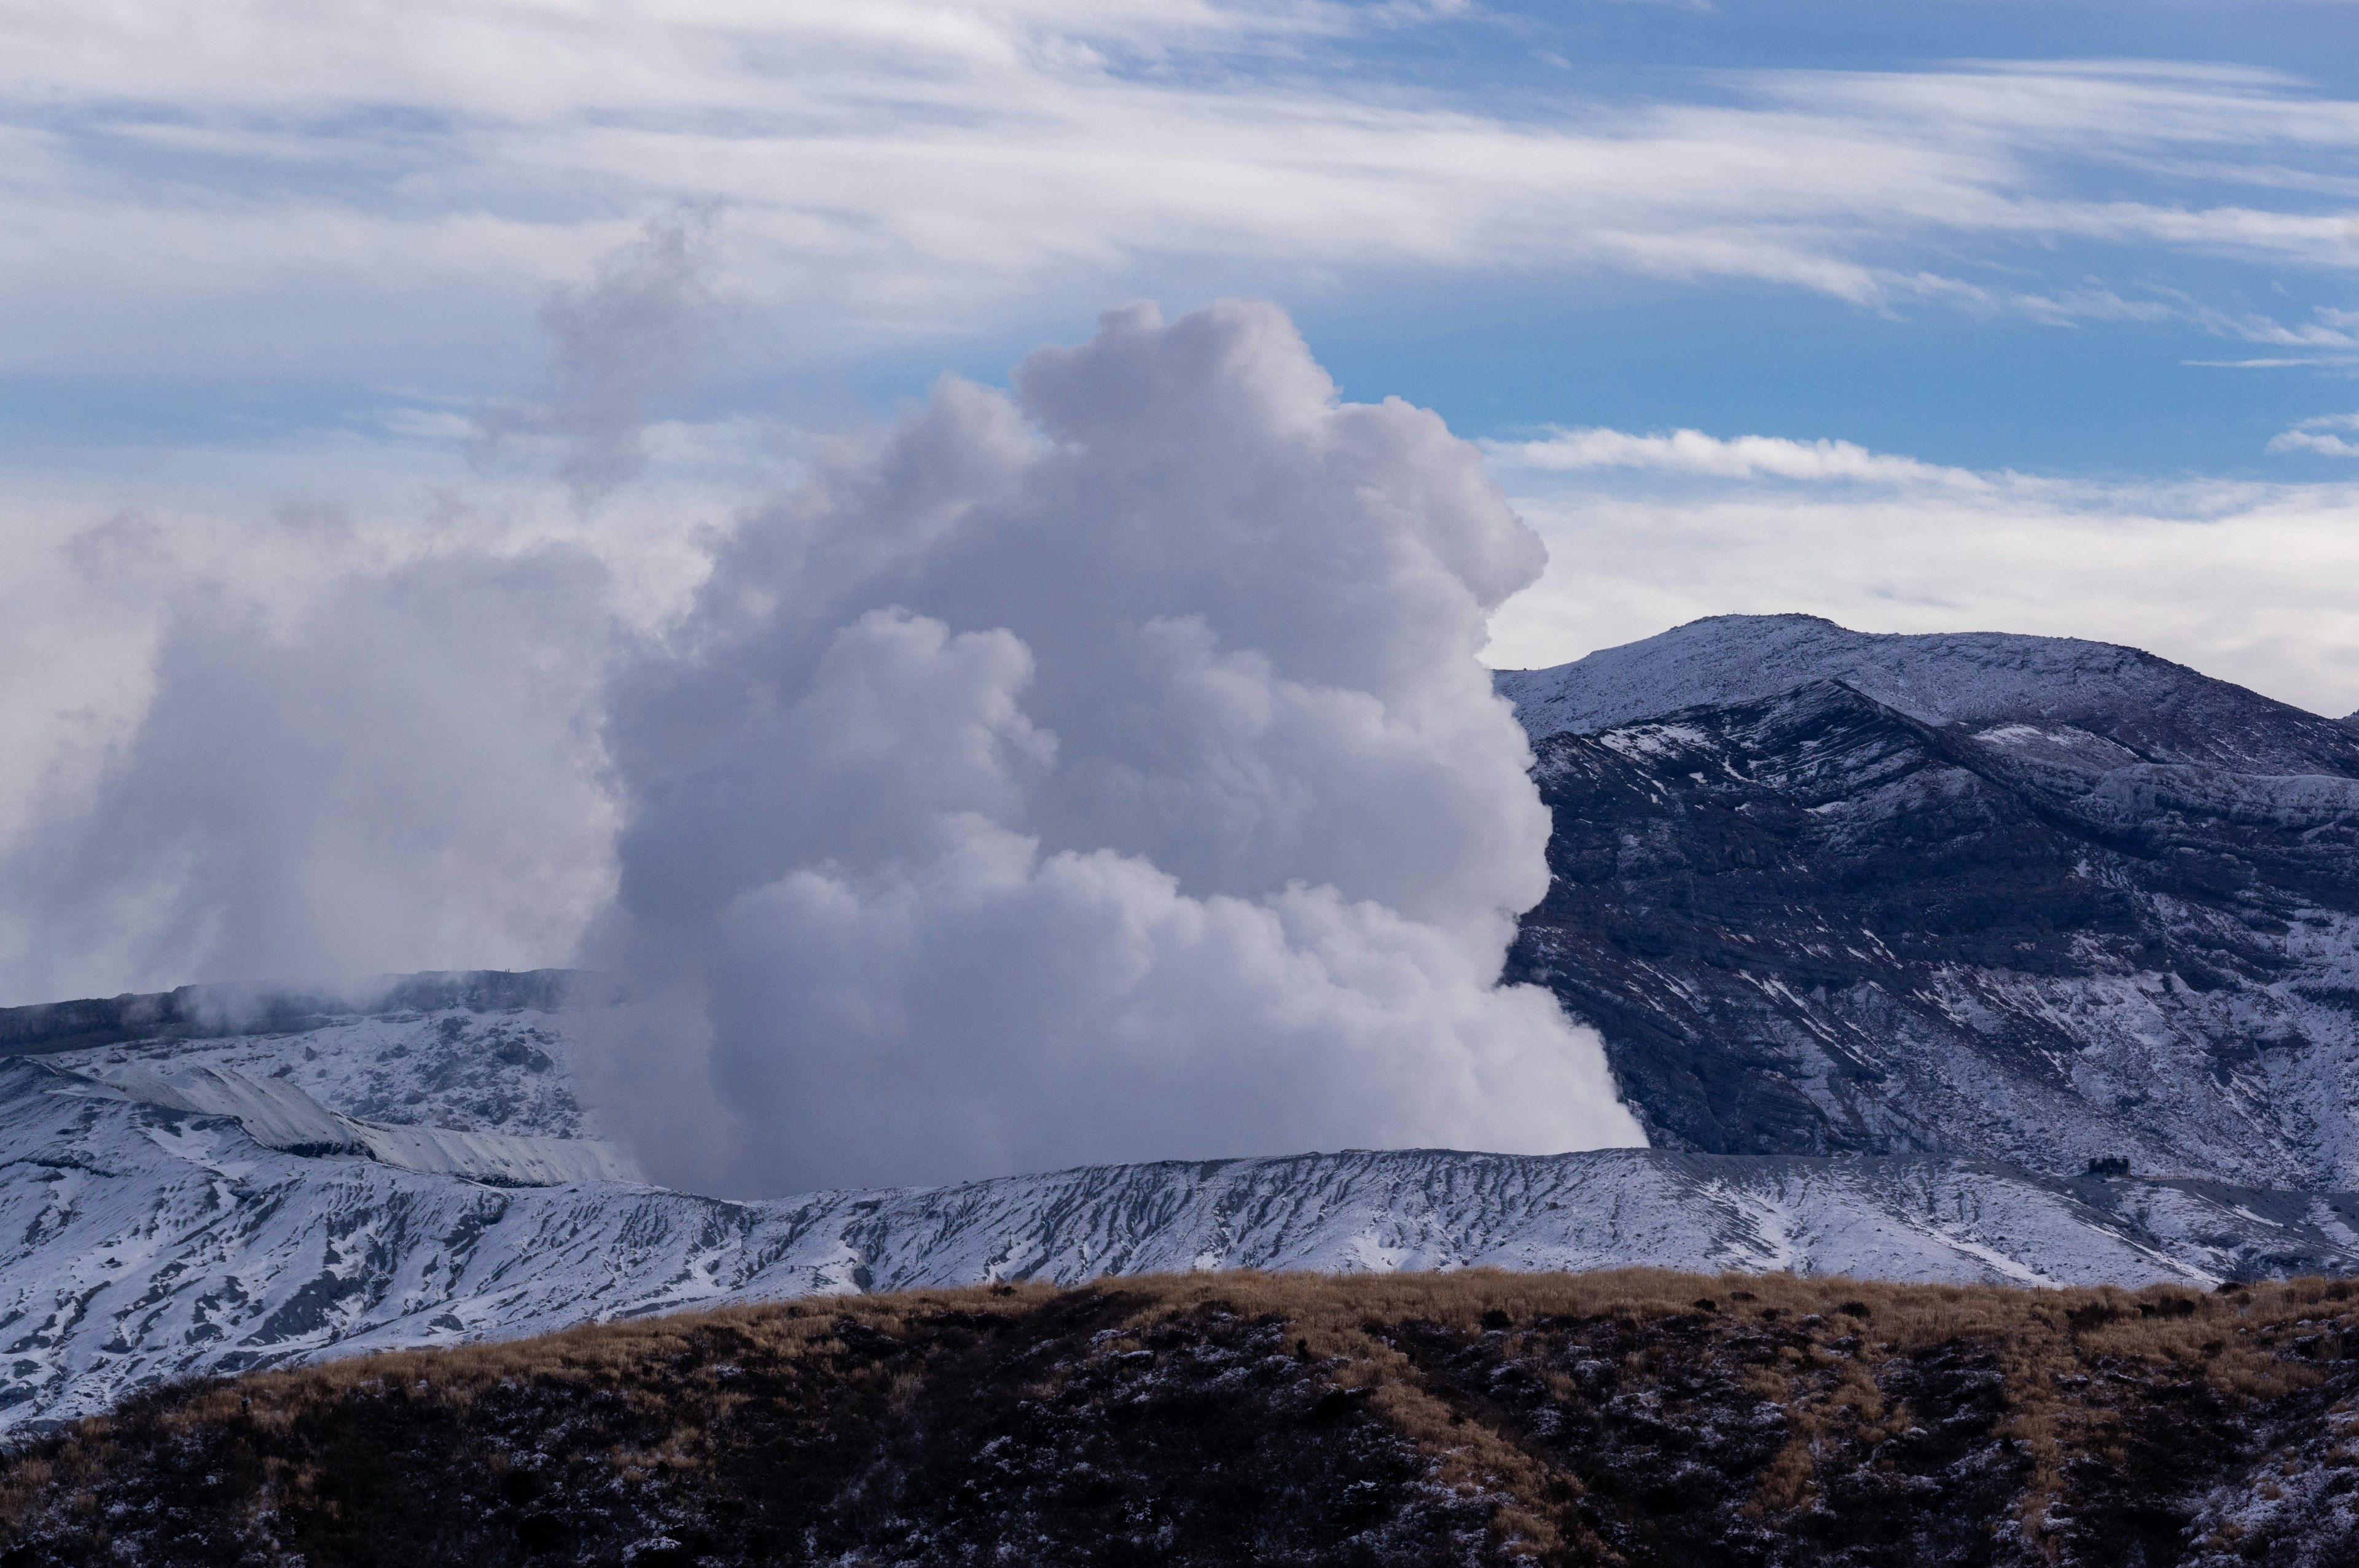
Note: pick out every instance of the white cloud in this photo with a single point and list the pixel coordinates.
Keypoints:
(2318, 436)
(2249, 582)
(400, 772)
(1744, 457)
(915, 166)
(631, 334)
(2272, 364)
(342, 735)
(2314, 442)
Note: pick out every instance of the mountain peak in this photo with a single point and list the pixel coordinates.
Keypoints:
(2163, 711)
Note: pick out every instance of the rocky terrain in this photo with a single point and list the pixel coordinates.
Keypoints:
(1638, 1418)
(2037, 901)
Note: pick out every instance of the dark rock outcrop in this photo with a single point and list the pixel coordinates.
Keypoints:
(2043, 902)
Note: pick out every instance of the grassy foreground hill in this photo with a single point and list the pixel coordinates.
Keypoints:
(1636, 1417)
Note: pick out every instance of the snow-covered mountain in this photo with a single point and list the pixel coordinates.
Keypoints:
(2025, 899)
(2160, 711)
(206, 1202)
(1890, 938)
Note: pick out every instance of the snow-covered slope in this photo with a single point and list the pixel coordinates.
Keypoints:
(2160, 711)
(507, 1072)
(411, 1077)
(141, 1240)
(278, 1115)
(2023, 898)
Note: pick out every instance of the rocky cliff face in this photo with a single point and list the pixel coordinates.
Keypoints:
(2033, 900)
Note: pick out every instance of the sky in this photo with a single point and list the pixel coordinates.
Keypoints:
(2108, 247)
(2097, 239)
(388, 392)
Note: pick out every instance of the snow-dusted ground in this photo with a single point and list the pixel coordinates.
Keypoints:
(142, 1240)
(449, 1067)
(458, 1095)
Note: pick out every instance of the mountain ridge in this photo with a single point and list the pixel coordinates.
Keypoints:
(222, 1009)
(2163, 710)
(1808, 921)
(149, 1242)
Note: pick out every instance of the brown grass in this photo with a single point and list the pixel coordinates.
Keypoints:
(2063, 1353)
(2046, 1340)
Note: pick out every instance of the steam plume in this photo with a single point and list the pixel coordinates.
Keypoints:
(1102, 772)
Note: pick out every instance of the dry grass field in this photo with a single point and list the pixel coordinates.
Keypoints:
(1628, 1417)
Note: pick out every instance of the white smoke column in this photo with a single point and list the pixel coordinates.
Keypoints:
(632, 332)
(1104, 773)
(401, 774)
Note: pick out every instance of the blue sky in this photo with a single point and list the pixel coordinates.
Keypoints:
(2108, 248)
(356, 219)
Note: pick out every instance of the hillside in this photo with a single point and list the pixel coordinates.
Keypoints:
(1638, 1418)
(2030, 900)
(192, 1206)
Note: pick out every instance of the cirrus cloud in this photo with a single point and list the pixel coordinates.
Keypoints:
(920, 166)
(2318, 436)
